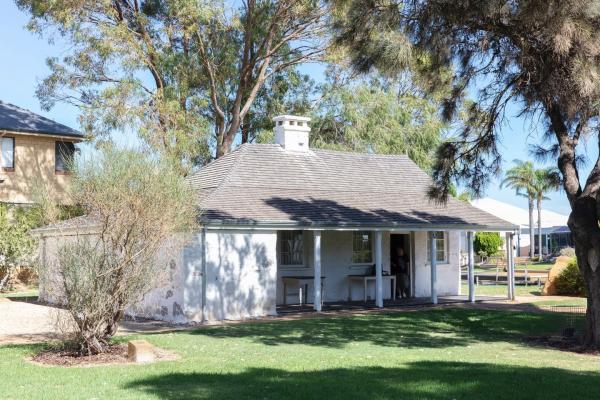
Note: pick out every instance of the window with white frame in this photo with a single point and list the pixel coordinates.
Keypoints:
(7, 153)
(441, 241)
(362, 247)
(291, 248)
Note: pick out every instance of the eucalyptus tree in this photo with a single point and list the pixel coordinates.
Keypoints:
(540, 55)
(545, 180)
(186, 73)
(522, 178)
(379, 116)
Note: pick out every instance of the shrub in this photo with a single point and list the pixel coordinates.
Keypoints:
(16, 245)
(488, 243)
(567, 252)
(570, 282)
(136, 204)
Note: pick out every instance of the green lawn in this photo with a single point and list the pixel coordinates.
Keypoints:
(502, 290)
(431, 354)
(535, 266)
(24, 295)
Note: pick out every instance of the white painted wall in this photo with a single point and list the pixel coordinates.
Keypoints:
(166, 302)
(243, 278)
(448, 274)
(241, 272)
(336, 260)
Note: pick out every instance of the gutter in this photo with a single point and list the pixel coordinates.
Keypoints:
(293, 225)
(74, 138)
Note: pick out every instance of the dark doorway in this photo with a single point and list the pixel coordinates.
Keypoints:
(403, 277)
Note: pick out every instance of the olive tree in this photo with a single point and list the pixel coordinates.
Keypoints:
(136, 209)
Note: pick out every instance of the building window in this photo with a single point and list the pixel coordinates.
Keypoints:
(291, 247)
(441, 248)
(7, 155)
(362, 247)
(63, 156)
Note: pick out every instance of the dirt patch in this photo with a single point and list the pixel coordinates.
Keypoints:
(570, 344)
(116, 354)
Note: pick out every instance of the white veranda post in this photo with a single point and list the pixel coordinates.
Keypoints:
(510, 266)
(433, 264)
(317, 266)
(471, 266)
(378, 269)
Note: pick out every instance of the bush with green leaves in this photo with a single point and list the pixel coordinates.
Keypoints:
(136, 206)
(17, 247)
(570, 281)
(488, 243)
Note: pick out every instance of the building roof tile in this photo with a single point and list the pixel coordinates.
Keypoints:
(263, 184)
(16, 119)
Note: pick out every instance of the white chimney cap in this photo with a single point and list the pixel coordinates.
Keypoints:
(290, 118)
(292, 132)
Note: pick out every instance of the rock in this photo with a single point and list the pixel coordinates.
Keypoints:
(550, 285)
(140, 351)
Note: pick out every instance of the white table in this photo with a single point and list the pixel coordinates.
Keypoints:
(302, 282)
(365, 281)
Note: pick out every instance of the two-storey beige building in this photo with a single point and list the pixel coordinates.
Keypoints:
(34, 156)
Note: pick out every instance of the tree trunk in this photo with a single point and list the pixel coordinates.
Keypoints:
(539, 207)
(531, 228)
(583, 223)
(224, 147)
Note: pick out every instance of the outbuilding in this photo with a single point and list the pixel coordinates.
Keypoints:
(286, 224)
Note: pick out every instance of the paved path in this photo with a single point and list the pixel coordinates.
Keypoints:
(22, 322)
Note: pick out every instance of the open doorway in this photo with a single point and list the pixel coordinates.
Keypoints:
(401, 264)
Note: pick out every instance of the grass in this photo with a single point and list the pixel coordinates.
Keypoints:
(30, 294)
(502, 290)
(535, 266)
(572, 302)
(429, 354)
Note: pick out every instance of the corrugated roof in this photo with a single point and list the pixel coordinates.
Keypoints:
(265, 184)
(17, 119)
(518, 215)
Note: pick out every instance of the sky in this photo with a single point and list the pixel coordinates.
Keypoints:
(24, 66)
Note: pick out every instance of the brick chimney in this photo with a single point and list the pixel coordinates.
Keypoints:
(292, 132)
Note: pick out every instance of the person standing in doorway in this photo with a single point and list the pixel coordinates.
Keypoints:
(400, 267)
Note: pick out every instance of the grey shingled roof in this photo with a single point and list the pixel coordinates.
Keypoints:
(263, 184)
(16, 119)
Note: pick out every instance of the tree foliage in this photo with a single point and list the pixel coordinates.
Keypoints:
(17, 247)
(135, 206)
(570, 282)
(185, 73)
(542, 56)
(383, 115)
(488, 243)
(522, 178)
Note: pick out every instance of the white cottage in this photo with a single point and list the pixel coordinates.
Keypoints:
(286, 224)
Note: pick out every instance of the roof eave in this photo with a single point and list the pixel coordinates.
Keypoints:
(73, 138)
(266, 225)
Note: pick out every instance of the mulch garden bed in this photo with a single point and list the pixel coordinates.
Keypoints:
(116, 354)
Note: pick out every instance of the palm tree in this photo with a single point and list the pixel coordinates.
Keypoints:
(521, 177)
(546, 179)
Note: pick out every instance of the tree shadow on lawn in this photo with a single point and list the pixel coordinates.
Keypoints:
(417, 380)
(428, 329)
